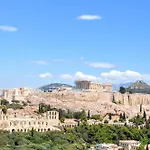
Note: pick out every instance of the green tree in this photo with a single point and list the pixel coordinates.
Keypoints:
(121, 116)
(140, 108)
(4, 109)
(96, 117)
(83, 116)
(113, 100)
(147, 124)
(122, 90)
(110, 116)
(4, 102)
(105, 121)
(144, 115)
(62, 119)
(32, 132)
(89, 114)
(124, 116)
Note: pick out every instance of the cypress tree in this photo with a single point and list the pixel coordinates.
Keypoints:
(140, 108)
(144, 115)
(124, 116)
(89, 115)
(110, 116)
(147, 124)
(121, 116)
(39, 108)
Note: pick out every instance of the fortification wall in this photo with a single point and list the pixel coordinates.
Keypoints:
(126, 99)
(133, 99)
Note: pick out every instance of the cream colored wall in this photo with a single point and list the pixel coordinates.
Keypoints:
(126, 99)
(25, 123)
(93, 86)
(16, 94)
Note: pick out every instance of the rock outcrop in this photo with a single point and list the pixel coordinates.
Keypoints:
(98, 103)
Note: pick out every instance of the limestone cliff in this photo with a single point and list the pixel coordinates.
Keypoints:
(96, 102)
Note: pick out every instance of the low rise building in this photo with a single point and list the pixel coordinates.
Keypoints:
(105, 146)
(129, 144)
(93, 121)
(70, 123)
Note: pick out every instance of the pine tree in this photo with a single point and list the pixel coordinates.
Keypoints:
(122, 90)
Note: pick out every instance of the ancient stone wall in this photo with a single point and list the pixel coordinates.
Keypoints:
(14, 122)
(132, 99)
(126, 99)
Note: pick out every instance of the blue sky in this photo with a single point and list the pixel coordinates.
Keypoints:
(62, 41)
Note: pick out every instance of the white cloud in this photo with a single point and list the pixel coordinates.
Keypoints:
(128, 75)
(41, 62)
(82, 76)
(8, 28)
(79, 76)
(46, 75)
(66, 76)
(89, 17)
(101, 65)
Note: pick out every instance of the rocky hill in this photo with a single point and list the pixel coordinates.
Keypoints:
(98, 103)
(139, 87)
(53, 86)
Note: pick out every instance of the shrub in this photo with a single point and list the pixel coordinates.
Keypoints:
(105, 121)
(15, 101)
(15, 106)
(4, 102)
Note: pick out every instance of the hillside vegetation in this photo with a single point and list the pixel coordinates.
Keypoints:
(78, 138)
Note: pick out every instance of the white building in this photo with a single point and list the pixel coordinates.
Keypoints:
(105, 146)
(129, 144)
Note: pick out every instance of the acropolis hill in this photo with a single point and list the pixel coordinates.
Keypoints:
(98, 101)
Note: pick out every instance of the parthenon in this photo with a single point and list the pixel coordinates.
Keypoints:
(93, 86)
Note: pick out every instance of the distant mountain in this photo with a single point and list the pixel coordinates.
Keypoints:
(139, 87)
(116, 87)
(53, 86)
